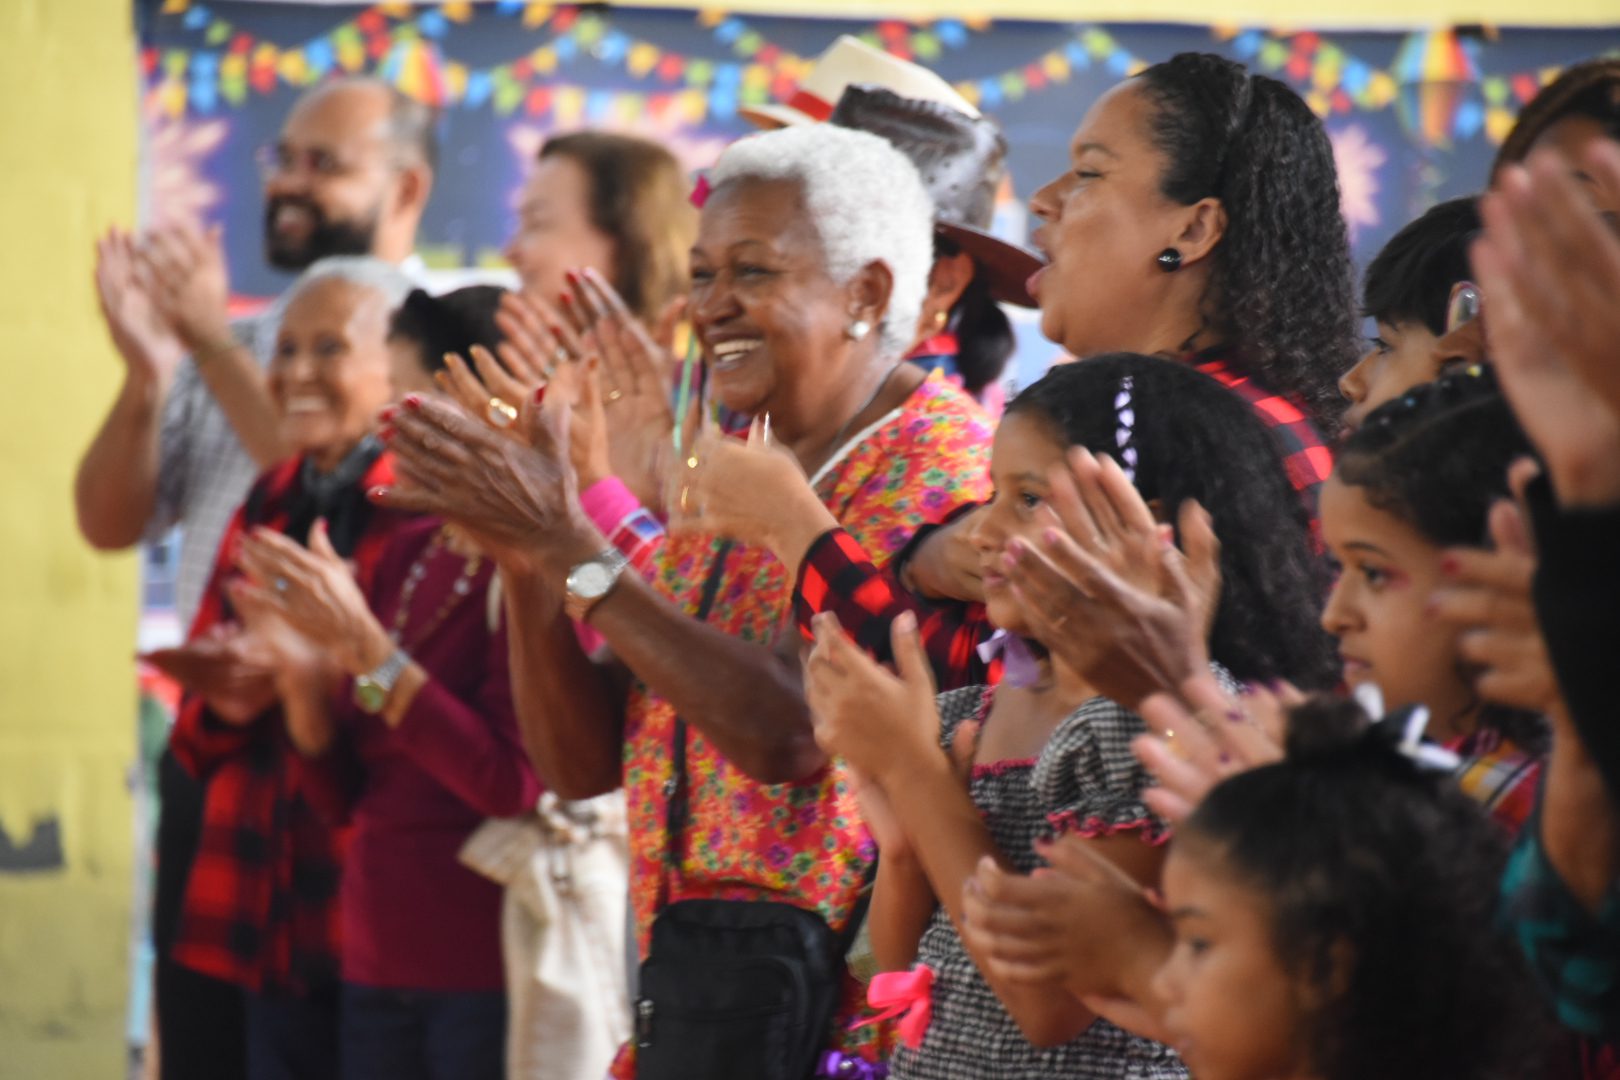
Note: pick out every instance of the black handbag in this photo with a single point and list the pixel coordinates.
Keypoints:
(734, 988)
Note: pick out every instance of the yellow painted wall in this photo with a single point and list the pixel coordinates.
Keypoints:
(67, 617)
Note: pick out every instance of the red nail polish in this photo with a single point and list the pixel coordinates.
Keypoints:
(1449, 564)
(413, 402)
(567, 299)
(540, 396)
(572, 276)
(388, 413)
(386, 433)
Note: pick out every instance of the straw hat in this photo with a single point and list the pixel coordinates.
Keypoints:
(962, 160)
(850, 60)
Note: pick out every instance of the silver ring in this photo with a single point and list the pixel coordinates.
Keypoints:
(563, 355)
(281, 585)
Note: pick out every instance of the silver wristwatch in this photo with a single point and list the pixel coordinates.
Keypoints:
(371, 690)
(591, 580)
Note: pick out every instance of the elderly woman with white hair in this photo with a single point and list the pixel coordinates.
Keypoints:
(261, 900)
(748, 851)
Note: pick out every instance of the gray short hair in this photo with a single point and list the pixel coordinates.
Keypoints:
(362, 271)
(867, 204)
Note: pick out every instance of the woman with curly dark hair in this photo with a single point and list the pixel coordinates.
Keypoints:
(1201, 220)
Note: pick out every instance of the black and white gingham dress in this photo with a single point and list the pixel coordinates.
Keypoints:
(1085, 780)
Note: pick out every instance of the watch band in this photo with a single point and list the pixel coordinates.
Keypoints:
(371, 690)
(590, 581)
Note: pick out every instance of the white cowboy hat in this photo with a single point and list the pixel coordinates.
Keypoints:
(850, 60)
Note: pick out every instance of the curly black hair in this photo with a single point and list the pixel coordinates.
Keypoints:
(451, 323)
(1381, 880)
(1590, 89)
(1437, 458)
(1410, 279)
(1195, 439)
(1282, 292)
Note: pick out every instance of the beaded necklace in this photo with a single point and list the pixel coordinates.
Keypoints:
(413, 578)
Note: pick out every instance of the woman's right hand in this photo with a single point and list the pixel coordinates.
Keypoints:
(635, 376)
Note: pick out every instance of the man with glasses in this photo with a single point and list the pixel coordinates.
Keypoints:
(193, 425)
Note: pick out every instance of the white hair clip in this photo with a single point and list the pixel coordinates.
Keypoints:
(1404, 730)
(1125, 419)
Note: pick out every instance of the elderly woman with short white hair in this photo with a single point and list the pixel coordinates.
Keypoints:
(808, 274)
(261, 899)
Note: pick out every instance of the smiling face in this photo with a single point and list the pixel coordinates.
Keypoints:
(1103, 224)
(331, 372)
(1376, 609)
(332, 178)
(1402, 356)
(1234, 1011)
(554, 232)
(1025, 449)
(771, 321)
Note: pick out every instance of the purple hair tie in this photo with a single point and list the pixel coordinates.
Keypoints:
(837, 1065)
(1019, 667)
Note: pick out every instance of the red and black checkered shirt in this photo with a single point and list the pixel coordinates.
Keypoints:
(260, 907)
(1306, 455)
(837, 576)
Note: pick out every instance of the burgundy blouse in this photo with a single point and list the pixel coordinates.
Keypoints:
(414, 918)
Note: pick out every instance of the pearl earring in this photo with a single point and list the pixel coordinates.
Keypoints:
(859, 329)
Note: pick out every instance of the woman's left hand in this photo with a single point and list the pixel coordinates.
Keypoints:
(873, 719)
(313, 591)
(753, 492)
(1203, 735)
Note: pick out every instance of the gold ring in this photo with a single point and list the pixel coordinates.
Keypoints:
(500, 413)
(685, 491)
(614, 395)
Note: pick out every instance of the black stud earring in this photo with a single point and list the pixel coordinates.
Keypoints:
(1169, 260)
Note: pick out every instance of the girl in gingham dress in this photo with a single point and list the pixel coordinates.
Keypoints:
(1045, 753)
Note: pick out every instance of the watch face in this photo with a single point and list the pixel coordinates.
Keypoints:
(590, 580)
(369, 696)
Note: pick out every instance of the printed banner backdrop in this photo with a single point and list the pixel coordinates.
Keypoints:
(1414, 118)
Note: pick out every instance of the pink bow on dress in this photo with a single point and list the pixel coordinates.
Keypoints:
(906, 994)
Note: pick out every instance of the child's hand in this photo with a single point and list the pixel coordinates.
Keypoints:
(874, 720)
(1079, 922)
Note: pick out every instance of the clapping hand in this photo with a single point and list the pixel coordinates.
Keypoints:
(870, 717)
(1550, 271)
(190, 285)
(142, 336)
(1108, 593)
